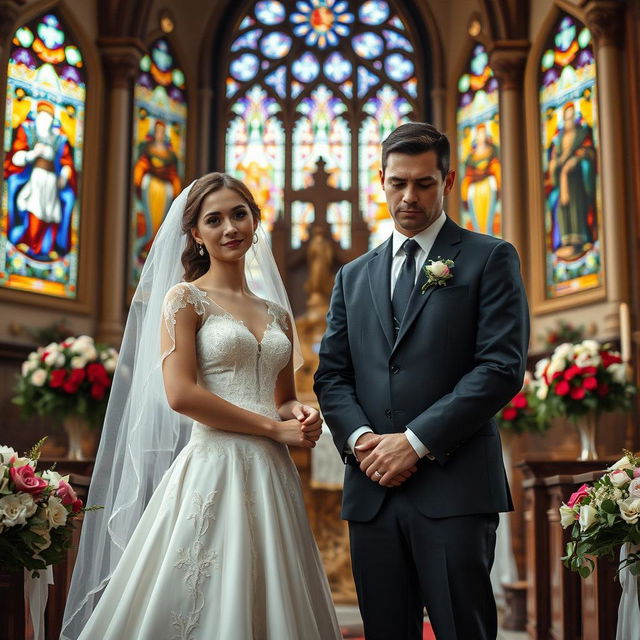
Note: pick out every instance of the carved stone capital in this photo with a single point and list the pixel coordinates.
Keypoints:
(121, 59)
(508, 60)
(9, 12)
(605, 19)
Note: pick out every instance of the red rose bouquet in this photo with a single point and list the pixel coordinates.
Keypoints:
(72, 377)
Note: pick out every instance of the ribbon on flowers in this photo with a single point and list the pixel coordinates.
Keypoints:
(628, 610)
(37, 592)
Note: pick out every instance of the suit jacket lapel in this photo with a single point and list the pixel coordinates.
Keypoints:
(443, 247)
(379, 271)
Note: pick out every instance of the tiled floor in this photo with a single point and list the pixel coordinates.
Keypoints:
(349, 616)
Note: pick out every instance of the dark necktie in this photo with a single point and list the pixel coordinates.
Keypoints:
(405, 283)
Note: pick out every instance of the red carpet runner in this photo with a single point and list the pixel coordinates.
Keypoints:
(427, 634)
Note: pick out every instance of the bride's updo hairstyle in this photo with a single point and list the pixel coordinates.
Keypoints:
(194, 264)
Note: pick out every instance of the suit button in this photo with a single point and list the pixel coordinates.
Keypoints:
(395, 369)
(387, 412)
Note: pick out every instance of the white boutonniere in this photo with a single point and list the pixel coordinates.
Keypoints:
(437, 272)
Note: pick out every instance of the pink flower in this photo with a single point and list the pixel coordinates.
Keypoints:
(26, 480)
(76, 506)
(636, 472)
(66, 493)
(578, 496)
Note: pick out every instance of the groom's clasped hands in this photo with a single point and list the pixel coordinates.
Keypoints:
(388, 460)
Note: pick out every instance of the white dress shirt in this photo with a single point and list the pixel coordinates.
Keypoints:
(425, 239)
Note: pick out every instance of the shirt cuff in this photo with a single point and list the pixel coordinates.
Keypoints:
(417, 445)
(353, 438)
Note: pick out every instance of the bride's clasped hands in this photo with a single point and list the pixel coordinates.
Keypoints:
(301, 426)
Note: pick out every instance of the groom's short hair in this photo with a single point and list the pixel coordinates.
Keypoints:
(413, 138)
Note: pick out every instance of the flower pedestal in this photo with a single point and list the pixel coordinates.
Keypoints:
(587, 427)
(82, 440)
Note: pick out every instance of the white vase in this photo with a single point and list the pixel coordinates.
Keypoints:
(77, 431)
(587, 430)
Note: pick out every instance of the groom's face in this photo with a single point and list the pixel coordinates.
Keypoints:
(415, 189)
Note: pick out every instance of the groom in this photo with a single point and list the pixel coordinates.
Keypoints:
(413, 366)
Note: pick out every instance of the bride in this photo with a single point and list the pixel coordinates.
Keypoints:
(223, 549)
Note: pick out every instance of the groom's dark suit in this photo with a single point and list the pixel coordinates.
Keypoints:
(458, 358)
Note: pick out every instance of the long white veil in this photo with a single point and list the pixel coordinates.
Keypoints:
(142, 435)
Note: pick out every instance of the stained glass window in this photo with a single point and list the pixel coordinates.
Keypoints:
(43, 144)
(478, 127)
(159, 145)
(569, 143)
(308, 80)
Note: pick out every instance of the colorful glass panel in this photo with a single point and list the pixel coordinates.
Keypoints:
(255, 150)
(569, 143)
(159, 146)
(338, 58)
(478, 129)
(384, 112)
(40, 218)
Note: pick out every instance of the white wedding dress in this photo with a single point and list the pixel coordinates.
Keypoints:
(223, 550)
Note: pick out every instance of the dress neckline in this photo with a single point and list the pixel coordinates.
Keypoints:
(234, 318)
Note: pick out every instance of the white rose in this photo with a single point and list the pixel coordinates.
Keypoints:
(34, 356)
(585, 359)
(38, 377)
(110, 365)
(6, 453)
(567, 516)
(634, 488)
(556, 364)
(16, 508)
(542, 391)
(563, 351)
(619, 372)
(52, 346)
(51, 358)
(623, 463)
(630, 509)
(60, 361)
(540, 367)
(590, 346)
(78, 362)
(588, 517)
(619, 478)
(55, 512)
(53, 477)
(69, 342)
(27, 367)
(438, 269)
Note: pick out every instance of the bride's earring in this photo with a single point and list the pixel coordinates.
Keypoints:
(201, 250)
(255, 238)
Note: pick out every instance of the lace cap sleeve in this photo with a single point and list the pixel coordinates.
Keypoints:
(178, 297)
(280, 314)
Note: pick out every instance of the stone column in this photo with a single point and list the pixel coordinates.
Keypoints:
(205, 162)
(439, 110)
(605, 20)
(121, 58)
(508, 60)
(9, 12)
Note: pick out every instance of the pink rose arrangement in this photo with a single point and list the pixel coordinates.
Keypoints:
(582, 378)
(604, 516)
(37, 510)
(72, 377)
(521, 414)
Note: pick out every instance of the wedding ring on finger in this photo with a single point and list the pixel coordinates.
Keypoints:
(377, 475)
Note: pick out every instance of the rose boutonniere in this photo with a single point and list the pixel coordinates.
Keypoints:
(437, 272)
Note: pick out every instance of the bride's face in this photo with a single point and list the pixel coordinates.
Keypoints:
(225, 225)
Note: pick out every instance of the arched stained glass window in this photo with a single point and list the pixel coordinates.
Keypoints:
(478, 125)
(317, 79)
(43, 144)
(569, 143)
(159, 145)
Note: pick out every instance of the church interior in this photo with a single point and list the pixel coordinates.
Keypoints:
(122, 103)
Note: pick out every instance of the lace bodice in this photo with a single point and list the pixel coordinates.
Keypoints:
(232, 363)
